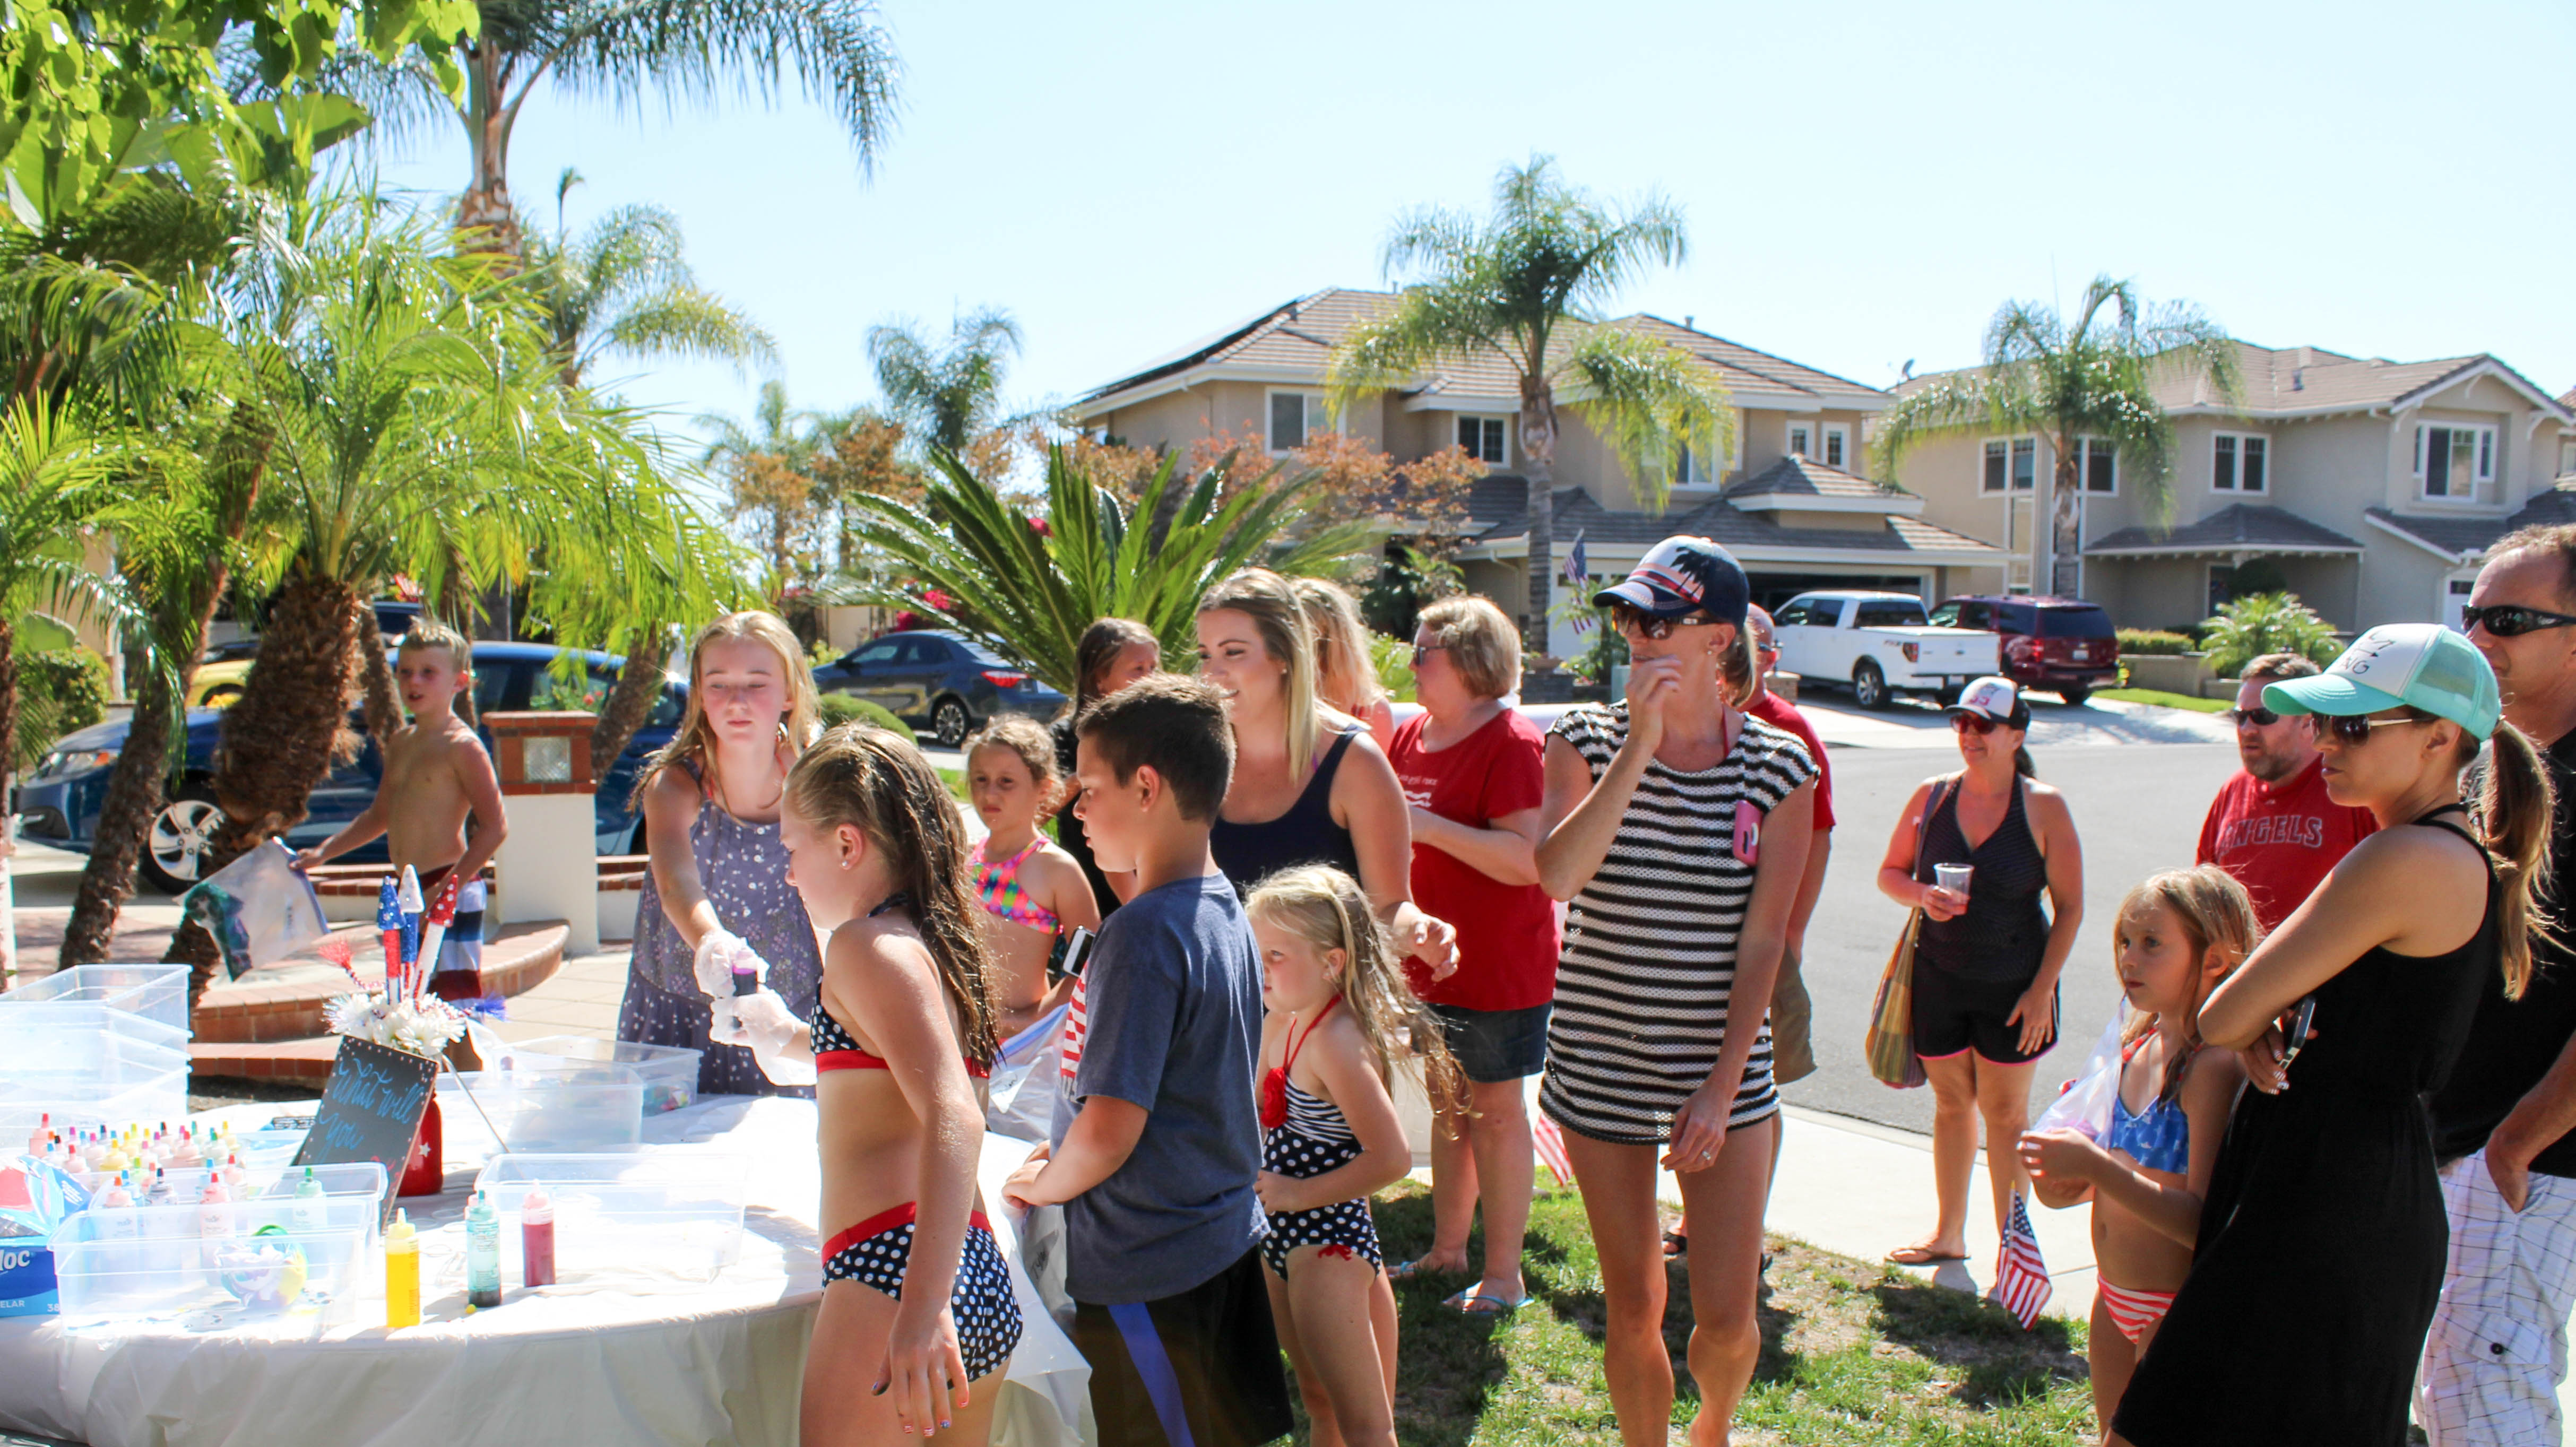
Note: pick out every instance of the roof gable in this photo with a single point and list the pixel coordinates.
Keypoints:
(2289, 382)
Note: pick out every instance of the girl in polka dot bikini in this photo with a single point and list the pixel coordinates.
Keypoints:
(1339, 1014)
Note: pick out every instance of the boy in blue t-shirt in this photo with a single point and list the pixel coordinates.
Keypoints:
(1156, 1160)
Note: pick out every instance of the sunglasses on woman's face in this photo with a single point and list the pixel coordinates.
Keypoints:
(1968, 723)
(1627, 618)
(2356, 728)
(2511, 620)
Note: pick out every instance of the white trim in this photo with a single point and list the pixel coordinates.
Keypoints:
(1904, 504)
(1885, 560)
(2487, 476)
(1317, 420)
(2236, 465)
(2084, 449)
(1510, 426)
(1790, 446)
(2395, 531)
(1432, 398)
(2010, 444)
(1302, 378)
(2484, 366)
(1829, 437)
(2268, 550)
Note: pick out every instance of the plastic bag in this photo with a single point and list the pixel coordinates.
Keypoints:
(2085, 1104)
(1026, 1080)
(258, 908)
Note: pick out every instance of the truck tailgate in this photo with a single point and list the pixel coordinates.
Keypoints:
(1960, 651)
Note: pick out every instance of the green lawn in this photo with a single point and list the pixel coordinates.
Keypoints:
(1853, 1353)
(2166, 700)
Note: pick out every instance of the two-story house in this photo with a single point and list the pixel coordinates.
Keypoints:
(2370, 488)
(1792, 501)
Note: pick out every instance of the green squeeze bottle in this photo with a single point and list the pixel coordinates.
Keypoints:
(482, 1253)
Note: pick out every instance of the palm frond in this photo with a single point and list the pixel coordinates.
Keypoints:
(1647, 399)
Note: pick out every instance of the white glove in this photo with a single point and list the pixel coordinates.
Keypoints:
(724, 1024)
(779, 1041)
(715, 960)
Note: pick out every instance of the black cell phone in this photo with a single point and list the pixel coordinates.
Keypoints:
(1072, 952)
(2297, 1038)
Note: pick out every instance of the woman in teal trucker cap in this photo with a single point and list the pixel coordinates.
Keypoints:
(2320, 1248)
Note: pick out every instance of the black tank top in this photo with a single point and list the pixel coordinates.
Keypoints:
(1306, 834)
(2004, 931)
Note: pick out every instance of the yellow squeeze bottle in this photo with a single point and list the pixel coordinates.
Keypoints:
(402, 1274)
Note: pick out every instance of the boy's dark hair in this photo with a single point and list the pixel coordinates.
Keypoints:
(1176, 726)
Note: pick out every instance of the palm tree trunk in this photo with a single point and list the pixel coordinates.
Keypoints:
(135, 792)
(2065, 527)
(376, 682)
(1538, 453)
(485, 208)
(629, 701)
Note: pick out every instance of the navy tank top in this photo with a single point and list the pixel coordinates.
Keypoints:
(2004, 931)
(1306, 834)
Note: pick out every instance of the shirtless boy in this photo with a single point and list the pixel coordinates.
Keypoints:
(437, 776)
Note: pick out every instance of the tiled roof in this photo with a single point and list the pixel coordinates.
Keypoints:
(1498, 507)
(1300, 336)
(2241, 525)
(2298, 381)
(2467, 537)
(1795, 476)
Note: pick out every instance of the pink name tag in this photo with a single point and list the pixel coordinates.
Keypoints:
(1748, 832)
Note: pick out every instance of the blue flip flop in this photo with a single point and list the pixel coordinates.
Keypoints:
(1466, 1302)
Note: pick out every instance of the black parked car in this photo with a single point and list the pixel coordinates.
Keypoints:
(949, 682)
(61, 798)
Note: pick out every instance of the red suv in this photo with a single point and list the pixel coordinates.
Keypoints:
(2063, 645)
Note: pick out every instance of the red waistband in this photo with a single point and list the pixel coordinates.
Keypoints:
(862, 1060)
(886, 1220)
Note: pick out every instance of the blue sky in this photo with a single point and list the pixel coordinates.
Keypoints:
(1864, 182)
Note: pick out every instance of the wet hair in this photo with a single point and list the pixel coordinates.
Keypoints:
(1173, 725)
(1327, 909)
(1101, 644)
(1028, 739)
(876, 782)
(1345, 674)
(2216, 913)
(2279, 666)
(427, 633)
(695, 740)
(2558, 539)
(1483, 645)
(1271, 603)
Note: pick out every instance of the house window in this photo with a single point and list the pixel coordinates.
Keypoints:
(2011, 462)
(1837, 446)
(1693, 470)
(1296, 418)
(1798, 439)
(2455, 462)
(2238, 462)
(2566, 458)
(1485, 439)
(2222, 586)
(2097, 465)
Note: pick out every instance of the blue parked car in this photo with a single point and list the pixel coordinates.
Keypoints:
(60, 799)
(949, 682)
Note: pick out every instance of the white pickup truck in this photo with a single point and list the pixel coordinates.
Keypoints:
(1881, 645)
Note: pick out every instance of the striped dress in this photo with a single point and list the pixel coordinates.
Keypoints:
(1642, 990)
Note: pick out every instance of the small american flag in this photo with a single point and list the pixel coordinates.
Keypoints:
(1549, 1142)
(2021, 1277)
(1076, 1024)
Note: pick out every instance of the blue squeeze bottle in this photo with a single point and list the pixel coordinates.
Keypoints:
(482, 1252)
(307, 1210)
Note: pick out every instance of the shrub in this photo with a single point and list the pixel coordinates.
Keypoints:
(2153, 641)
(2248, 628)
(61, 691)
(841, 708)
(1394, 660)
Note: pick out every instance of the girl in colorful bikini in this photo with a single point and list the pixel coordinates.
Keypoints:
(1339, 1012)
(2179, 934)
(918, 1318)
(1032, 890)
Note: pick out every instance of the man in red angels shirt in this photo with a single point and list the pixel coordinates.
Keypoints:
(2272, 826)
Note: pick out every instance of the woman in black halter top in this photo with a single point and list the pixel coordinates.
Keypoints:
(2320, 1250)
(1343, 804)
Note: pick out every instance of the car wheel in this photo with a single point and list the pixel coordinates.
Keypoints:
(178, 850)
(222, 695)
(950, 723)
(2075, 694)
(1869, 685)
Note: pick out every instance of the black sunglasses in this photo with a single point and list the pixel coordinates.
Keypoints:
(2261, 718)
(1628, 617)
(2356, 728)
(2511, 620)
(1969, 723)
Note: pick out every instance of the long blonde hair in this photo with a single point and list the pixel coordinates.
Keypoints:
(2215, 913)
(1345, 675)
(695, 742)
(1327, 908)
(876, 782)
(1267, 599)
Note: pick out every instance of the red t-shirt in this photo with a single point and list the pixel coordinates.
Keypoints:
(2280, 840)
(1772, 709)
(1507, 937)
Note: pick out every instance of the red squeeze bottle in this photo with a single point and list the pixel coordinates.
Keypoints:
(537, 1239)
(425, 1172)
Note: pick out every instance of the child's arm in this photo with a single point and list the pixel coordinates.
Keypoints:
(1103, 1134)
(1068, 893)
(1350, 1081)
(360, 830)
(671, 804)
(2171, 1211)
(482, 786)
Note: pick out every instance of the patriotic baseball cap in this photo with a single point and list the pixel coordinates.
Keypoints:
(2400, 665)
(1683, 575)
(1998, 699)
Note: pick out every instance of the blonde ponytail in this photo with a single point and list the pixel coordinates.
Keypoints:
(2514, 810)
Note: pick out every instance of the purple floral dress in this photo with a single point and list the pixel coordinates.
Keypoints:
(743, 869)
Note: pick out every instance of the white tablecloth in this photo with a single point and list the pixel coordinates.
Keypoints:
(720, 1363)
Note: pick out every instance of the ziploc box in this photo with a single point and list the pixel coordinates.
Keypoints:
(34, 1199)
(26, 1276)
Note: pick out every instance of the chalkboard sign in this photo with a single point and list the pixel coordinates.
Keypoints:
(371, 1110)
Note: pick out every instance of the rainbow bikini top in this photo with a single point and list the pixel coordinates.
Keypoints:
(1004, 897)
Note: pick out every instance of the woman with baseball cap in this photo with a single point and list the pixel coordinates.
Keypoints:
(2323, 1206)
(1988, 956)
(1678, 827)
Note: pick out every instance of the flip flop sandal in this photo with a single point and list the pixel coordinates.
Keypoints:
(1676, 1244)
(1923, 1256)
(1415, 1269)
(1465, 1302)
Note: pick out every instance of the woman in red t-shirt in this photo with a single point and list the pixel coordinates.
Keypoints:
(1472, 770)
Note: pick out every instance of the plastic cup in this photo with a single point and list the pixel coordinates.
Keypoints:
(1953, 877)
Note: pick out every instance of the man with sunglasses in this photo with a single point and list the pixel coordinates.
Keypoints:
(2272, 826)
(2501, 1125)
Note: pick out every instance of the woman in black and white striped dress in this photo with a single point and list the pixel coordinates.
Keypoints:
(1678, 827)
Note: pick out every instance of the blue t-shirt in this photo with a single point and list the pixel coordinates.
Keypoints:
(1173, 996)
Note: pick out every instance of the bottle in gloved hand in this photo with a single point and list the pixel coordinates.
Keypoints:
(482, 1252)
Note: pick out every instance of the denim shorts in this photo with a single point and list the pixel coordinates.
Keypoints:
(1496, 1045)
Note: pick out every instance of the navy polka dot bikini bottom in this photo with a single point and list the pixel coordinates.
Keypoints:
(876, 1252)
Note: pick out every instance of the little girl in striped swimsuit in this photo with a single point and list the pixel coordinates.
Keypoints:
(2179, 934)
(1337, 1000)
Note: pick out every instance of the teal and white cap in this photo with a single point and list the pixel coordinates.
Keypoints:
(2397, 665)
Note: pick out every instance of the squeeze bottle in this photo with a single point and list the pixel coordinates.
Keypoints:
(537, 1238)
(115, 1196)
(214, 1210)
(307, 1210)
(402, 1273)
(36, 1137)
(482, 1252)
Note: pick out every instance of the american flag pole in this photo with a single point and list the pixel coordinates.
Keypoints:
(2021, 1277)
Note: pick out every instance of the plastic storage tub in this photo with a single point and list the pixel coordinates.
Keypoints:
(88, 1065)
(597, 1108)
(155, 992)
(151, 1259)
(637, 1219)
(670, 1073)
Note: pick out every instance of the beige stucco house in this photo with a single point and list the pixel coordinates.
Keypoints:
(1792, 499)
(2370, 488)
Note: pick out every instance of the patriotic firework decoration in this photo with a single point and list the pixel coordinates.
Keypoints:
(2021, 1277)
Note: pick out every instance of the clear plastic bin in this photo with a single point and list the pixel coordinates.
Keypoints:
(670, 1073)
(639, 1219)
(593, 1109)
(88, 1065)
(151, 1259)
(155, 992)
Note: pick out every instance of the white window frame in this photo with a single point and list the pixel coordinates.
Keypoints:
(1318, 417)
(2481, 482)
(1480, 418)
(2236, 484)
(1691, 470)
(1833, 437)
(1801, 440)
(2026, 445)
(2566, 456)
(2085, 447)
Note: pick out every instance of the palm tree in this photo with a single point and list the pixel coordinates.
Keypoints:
(1526, 284)
(624, 286)
(946, 397)
(2095, 377)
